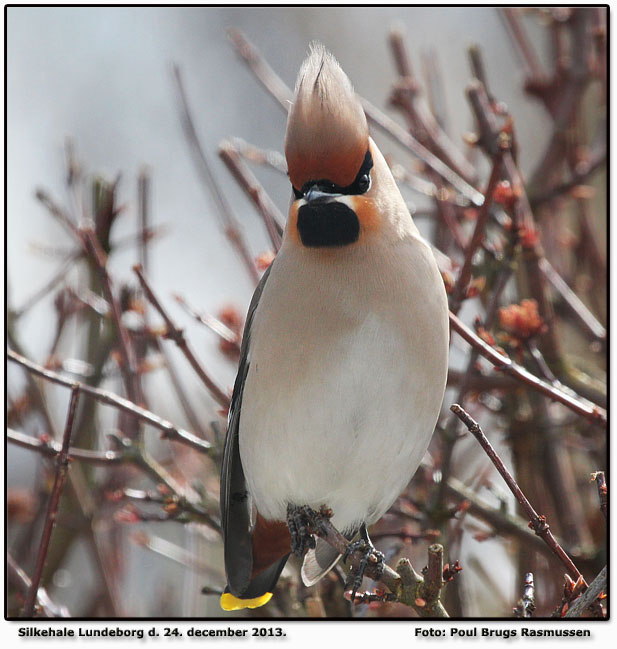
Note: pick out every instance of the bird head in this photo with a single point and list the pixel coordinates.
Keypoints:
(341, 183)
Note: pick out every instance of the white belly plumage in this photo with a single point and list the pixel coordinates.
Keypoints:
(339, 416)
(357, 444)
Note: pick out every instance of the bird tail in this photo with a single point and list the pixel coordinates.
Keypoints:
(258, 592)
(252, 572)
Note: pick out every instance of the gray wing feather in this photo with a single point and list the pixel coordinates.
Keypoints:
(234, 497)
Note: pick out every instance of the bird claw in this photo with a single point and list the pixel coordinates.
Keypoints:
(303, 522)
(369, 555)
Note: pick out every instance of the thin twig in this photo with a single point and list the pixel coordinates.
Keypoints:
(230, 225)
(56, 211)
(49, 285)
(177, 335)
(128, 366)
(537, 523)
(520, 38)
(477, 67)
(576, 305)
(503, 522)
(170, 431)
(52, 448)
(21, 580)
(434, 87)
(256, 155)
(460, 287)
(214, 324)
(248, 181)
(505, 364)
(143, 201)
(175, 553)
(54, 501)
(421, 122)
(583, 171)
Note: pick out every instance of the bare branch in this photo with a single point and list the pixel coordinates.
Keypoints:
(128, 367)
(230, 225)
(520, 38)
(21, 580)
(252, 187)
(170, 431)
(53, 449)
(406, 584)
(177, 335)
(538, 523)
(505, 364)
(54, 501)
(214, 324)
(433, 574)
(527, 604)
(576, 305)
(590, 596)
(462, 282)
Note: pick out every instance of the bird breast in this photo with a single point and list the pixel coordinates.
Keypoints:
(347, 369)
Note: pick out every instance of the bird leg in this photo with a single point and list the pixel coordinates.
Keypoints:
(303, 522)
(369, 554)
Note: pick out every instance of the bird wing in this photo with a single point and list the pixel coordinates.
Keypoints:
(235, 501)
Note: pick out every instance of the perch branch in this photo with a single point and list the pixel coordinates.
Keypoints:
(406, 584)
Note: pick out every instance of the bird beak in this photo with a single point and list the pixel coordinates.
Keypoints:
(316, 195)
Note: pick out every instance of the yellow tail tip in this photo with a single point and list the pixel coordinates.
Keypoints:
(231, 603)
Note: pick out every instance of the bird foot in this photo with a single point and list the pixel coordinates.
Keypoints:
(303, 522)
(369, 555)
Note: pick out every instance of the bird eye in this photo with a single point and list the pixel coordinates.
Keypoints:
(364, 182)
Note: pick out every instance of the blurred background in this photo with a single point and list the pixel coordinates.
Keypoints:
(94, 109)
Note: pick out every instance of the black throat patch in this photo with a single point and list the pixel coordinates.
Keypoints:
(327, 224)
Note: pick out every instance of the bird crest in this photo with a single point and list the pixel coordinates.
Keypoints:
(327, 135)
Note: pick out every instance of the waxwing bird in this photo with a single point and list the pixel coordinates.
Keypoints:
(344, 357)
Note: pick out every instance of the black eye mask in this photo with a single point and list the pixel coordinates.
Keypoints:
(360, 185)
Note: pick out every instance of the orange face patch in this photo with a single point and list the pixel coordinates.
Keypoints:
(368, 215)
(291, 229)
